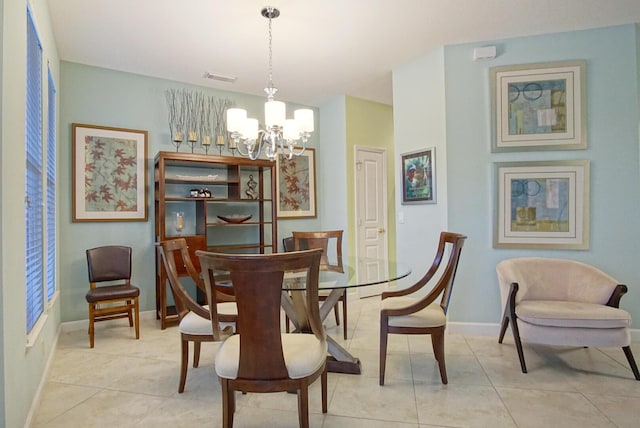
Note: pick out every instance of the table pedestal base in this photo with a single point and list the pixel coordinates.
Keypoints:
(348, 367)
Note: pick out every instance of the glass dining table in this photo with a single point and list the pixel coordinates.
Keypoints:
(352, 273)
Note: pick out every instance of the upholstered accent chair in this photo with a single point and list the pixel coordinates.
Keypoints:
(111, 294)
(564, 303)
(261, 358)
(422, 308)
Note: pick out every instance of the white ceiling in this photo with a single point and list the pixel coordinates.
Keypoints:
(321, 48)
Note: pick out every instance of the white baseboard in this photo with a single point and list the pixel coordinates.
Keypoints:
(493, 329)
(69, 326)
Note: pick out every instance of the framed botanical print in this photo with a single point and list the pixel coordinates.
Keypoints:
(109, 174)
(296, 185)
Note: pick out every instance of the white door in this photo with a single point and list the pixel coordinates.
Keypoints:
(371, 214)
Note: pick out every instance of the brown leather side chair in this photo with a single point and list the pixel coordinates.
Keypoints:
(118, 299)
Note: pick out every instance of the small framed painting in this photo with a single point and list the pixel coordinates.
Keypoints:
(109, 174)
(419, 177)
(296, 185)
(539, 106)
(542, 205)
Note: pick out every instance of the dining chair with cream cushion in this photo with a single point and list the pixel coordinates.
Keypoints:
(330, 241)
(197, 323)
(261, 358)
(564, 303)
(412, 311)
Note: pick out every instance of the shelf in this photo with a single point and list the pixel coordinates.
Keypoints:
(232, 181)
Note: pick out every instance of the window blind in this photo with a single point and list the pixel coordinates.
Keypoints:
(51, 187)
(33, 191)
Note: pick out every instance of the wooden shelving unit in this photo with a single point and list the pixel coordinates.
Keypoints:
(226, 178)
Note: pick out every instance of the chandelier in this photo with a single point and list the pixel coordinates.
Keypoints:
(287, 136)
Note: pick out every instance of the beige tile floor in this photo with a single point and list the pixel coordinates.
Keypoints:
(124, 382)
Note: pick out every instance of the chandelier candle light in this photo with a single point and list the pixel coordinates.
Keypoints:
(279, 132)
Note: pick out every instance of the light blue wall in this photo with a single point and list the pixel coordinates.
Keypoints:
(104, 97)
(23, 364)
(332, 167)
(612, 124)
(420, 122)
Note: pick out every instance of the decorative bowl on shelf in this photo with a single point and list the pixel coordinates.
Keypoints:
(235, 218)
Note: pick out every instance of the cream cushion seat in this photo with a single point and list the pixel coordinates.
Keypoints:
(193, 323)
(431, 316)
(303, 355)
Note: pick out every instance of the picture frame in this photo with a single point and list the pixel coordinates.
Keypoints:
(419, 176)
(542, 205)
(296, 186)
(539, 106)
(109, 174)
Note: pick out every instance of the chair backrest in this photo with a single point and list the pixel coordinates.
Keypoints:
(109, 263)
(167, 251)
(541, 278)
(330, 241)
(257, 283)
(288, 244)
(451, 244)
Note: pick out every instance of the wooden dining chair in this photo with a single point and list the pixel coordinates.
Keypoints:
(111, 264)
(410, 311)
(197, 323)
(330, 241)
(261, 358)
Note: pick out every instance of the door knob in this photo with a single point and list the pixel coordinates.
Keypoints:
(381, 230)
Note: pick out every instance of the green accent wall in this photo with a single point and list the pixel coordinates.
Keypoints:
(369, 124)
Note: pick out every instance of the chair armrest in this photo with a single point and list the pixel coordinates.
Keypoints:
(415, 287)
(618, 292)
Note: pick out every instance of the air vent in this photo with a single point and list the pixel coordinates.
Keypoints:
(221, 77)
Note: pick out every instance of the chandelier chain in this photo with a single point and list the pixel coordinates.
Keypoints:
(270, 55)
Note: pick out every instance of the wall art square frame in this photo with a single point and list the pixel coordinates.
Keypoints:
(296, 185)
(542, 205)
(539, 106)
(421, 187)
(109, 174)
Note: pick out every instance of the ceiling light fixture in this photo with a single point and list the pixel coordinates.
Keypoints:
(279, 131)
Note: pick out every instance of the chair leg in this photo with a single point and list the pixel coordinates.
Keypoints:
(503, 327)
(383, 347)
(344, 314)
(323, 385)
(286, 324)
(228, 404)
(516, 338)
(91, 323)
(632, 361)
(130, 313)
(336, 313)
(184, 362)
(196, 353)
(437, 342)
(303, 405)
(136, 311)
